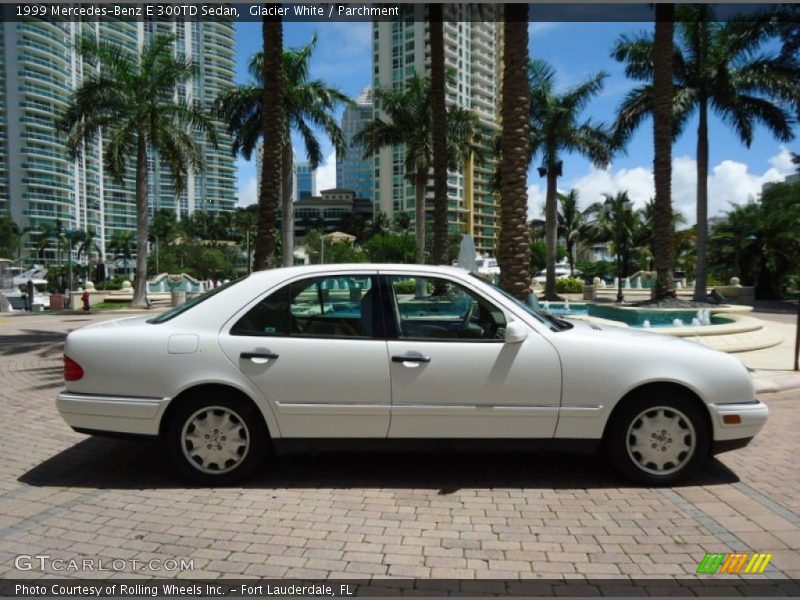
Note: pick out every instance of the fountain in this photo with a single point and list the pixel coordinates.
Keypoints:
(677, 323)
(646, 324)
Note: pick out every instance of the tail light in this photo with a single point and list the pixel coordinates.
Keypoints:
(72, 370)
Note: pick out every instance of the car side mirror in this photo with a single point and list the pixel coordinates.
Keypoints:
(516, 332)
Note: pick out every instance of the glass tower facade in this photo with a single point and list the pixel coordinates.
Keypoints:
(352, 171)
(39, 184)
(305, 184)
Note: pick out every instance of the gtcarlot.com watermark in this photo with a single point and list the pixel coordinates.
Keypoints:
(45, 562)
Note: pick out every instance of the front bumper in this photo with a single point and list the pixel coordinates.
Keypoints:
(111, 414)
(751, 416)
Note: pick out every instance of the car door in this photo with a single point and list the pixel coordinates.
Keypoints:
(317, 351)
(454, 376)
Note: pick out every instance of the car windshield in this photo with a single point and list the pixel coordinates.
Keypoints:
(532, 309)
(182, 308)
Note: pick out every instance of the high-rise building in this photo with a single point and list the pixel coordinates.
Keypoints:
(305, 180)
(472, 53)
(352, 171)
(39, 184)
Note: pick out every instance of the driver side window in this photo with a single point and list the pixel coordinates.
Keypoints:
(430, 308)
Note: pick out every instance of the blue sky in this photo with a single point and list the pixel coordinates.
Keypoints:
(576, 51)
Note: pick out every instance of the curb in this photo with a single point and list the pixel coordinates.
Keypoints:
(777, 383)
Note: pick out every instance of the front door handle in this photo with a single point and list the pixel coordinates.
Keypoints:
(407, 358)
(259, 358)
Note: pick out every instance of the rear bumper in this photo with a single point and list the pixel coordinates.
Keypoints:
(111, 414)
(752, 416)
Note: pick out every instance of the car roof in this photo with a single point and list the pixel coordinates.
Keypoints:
(287, 272)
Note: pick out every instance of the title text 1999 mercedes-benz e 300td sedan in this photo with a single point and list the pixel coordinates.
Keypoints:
(393, 354)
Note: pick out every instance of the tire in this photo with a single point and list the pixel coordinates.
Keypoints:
(217, 440)
(658, 438)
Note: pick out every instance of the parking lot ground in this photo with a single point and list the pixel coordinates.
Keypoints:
(499, 516)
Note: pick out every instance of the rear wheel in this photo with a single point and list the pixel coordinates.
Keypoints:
(658, 440)
(217, 440)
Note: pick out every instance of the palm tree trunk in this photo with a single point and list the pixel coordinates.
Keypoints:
(662, 146)
(702, 202)
(272, 119)
(551, 228)
(570, 255)
(140, 283)
(420, 182)
(514, 255)
(439, 127)
(288, 207)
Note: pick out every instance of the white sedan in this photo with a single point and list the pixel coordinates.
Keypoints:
(398, 355)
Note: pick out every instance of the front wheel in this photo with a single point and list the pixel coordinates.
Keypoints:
(216, 441)
(658, 441)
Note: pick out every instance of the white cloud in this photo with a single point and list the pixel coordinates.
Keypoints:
(248, 193)
(729, 182)
(539, 28)
(536, 198)
(638, 182)
(326, 174)
(782, 162)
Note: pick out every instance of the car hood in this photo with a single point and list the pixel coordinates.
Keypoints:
(611, 334)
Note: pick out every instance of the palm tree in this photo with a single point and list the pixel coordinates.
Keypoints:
(573, 224)
(662, 226)
(46, 233)
(649, 215)
(131, 100)
(439, 116)
(409, 122)
(86, 244)
(514, 250)
(617, 222)
(308, 104)
(556, 129)
(272, 130)
(121, 242)
(718, 66)
(245, 221)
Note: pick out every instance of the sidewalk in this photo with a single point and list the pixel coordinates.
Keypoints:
(771, 368)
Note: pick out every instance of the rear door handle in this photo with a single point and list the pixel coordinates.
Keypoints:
(259, 357)
(406, 358)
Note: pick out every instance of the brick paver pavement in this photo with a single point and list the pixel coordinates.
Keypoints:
(344, 515)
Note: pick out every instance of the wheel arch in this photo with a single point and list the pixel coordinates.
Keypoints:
(661, 386)
(205, 388)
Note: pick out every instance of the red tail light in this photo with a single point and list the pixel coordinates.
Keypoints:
(72, 370)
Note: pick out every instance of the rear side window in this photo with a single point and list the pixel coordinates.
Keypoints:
(190, 304)
(326, 307)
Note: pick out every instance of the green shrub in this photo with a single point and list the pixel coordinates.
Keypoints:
(569, 285)
(409, 286)
(602, 269)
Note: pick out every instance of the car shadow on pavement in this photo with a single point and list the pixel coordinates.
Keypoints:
(42, 343)
(120, 464)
